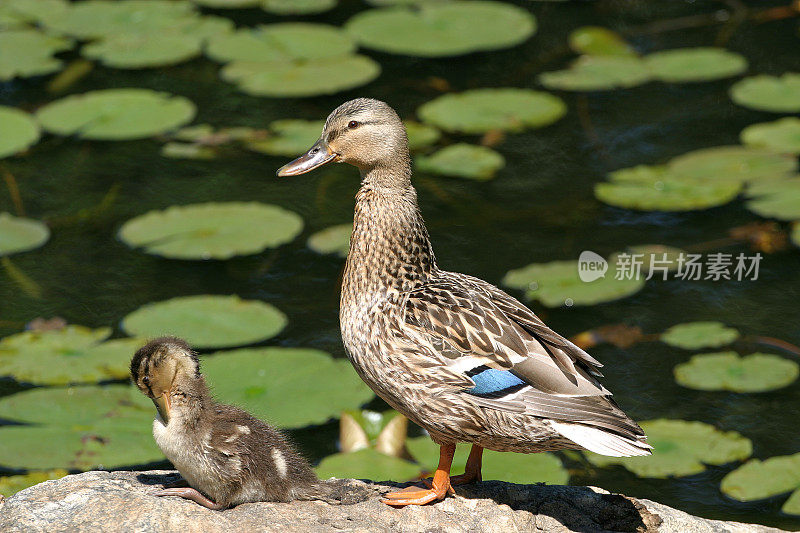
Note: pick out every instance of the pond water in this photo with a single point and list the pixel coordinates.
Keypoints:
(539, 208)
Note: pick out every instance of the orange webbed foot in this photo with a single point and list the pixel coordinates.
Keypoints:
(417, 495)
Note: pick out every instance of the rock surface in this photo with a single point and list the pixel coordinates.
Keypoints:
(123, 501)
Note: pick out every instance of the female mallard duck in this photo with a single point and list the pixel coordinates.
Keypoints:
(220, 450)
(453, 353)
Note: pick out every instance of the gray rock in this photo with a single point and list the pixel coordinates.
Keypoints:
(123, 501)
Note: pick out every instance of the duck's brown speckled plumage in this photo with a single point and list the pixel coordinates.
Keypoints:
(453, 353)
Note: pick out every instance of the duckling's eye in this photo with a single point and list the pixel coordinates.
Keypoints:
(146, 380)
(353, 124)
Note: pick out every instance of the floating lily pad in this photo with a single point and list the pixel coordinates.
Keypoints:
(757, 479)
(655, 188)
(177, 150)
(297, 7)
(695, 335)
(757, 372)
(16, 14)
(782, 136)
(12, 484)
(18, 131)
(94, 427)
(462, 161)
(775, 199)
(442, 29)
(681, 448)
(420, 135)
(71, 355)
(116, 114)
(228, 4)
(598, 73)
(795, 234)
(769, 93)
(557, 283)
(732, 164)
(142, 51)
(657, 256)
(281, 42)
(207, 321)
(289, 387)
(510, 467)
(212, 230)
(335, 239)
(19, 234)
(695, 64)
(367, 463)
(283, 79)
(32, 53)
(480, 110)
(596, 40)
(289, 137)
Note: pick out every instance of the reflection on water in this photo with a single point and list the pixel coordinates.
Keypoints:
(540, 208)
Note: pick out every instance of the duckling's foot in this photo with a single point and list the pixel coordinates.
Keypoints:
(440, 485)
(472, 472)
(190, 494)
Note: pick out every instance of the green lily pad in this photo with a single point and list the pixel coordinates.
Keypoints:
(757, 479)
(367, 463)
(769, 93)
(335, 239)
(462, 161)
(290, 387)
(281, 42)
(732, 164)
(207, 321)
(71, 355)
(598, 73)
(442, 29)
(284, 79)
(695, 64)
(655, 188)
(681, 448)
(480, 110)
(16, 14)
(94, 427)
(511, 467)
(781, 136)
(19, 234)
(658, 256)
(757, 372)
(421, 135)
(596, 40)
(33, 53)
(228, 4)
(116, 114)
(12, 484)
(557, 283)
(695, 335)
(142, 51)
(289, 137)
(795, 234)
(211, 230)
(297, 7)
(778, 199)
(18, 131)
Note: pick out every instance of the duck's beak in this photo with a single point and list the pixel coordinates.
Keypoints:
(162, 405)
(318, 155)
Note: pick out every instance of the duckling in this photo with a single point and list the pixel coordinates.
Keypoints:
(226, 455)
(453, 353)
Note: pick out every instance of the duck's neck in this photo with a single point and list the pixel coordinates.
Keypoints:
(390, 251)
(190, 400)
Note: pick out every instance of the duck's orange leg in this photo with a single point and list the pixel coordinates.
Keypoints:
(472, 472)
(439, 487)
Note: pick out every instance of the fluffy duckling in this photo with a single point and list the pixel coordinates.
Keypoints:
(226, 455)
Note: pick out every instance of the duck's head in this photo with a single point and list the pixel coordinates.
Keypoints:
(365, 133)
(159, 365)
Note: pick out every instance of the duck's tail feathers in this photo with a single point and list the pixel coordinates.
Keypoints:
(602, 441)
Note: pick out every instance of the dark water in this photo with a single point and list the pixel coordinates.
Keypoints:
(540, 208)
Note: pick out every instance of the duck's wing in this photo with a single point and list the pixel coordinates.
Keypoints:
(504, 357)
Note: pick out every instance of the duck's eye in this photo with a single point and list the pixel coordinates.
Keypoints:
(353, 124)
(146, 380)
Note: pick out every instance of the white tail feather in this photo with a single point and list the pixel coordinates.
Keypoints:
(602, 442)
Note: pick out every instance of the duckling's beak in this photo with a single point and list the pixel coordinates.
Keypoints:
(162, 405)
(318, 155)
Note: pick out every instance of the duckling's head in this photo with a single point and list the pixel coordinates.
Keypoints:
(159, 365)
(365, 133)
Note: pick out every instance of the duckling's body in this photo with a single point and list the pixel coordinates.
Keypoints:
(455, 354)
(226, 455)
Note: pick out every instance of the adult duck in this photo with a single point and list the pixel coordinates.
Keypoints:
(453, 353)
